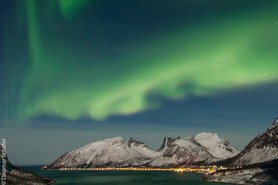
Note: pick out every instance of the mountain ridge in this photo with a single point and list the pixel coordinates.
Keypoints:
(115, 152)
(257, 163)
(262, 148)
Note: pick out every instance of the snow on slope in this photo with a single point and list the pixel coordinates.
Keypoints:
(257, 155)
(109, 152)
(202, 148)
(182, 152)
(262, 148)
(215, 145)
(115, 152)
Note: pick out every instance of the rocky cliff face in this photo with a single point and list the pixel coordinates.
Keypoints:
(262, 148)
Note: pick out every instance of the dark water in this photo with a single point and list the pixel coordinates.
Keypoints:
(121, 177)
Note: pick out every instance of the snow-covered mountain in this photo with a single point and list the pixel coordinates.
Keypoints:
(215, 145)
(112, 152)
(115, 152)
(200, 149)
(182, 152)
(262, 148)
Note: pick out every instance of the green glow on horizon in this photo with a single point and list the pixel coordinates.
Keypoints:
(175, 65)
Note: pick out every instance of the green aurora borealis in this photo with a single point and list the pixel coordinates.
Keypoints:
(74, 59)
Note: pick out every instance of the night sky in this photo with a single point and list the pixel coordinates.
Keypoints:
(76, 71)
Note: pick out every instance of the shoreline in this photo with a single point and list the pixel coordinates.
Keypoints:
(202, 170)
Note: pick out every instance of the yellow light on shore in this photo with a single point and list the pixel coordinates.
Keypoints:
(207, 170)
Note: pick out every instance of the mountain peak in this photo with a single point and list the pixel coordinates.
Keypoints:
(217, 146)
(135, 142)
(112, 152)
(272, 131)
(166, 143)
(205, 136)
(276, 121)
(274, 125)
(113, 139)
